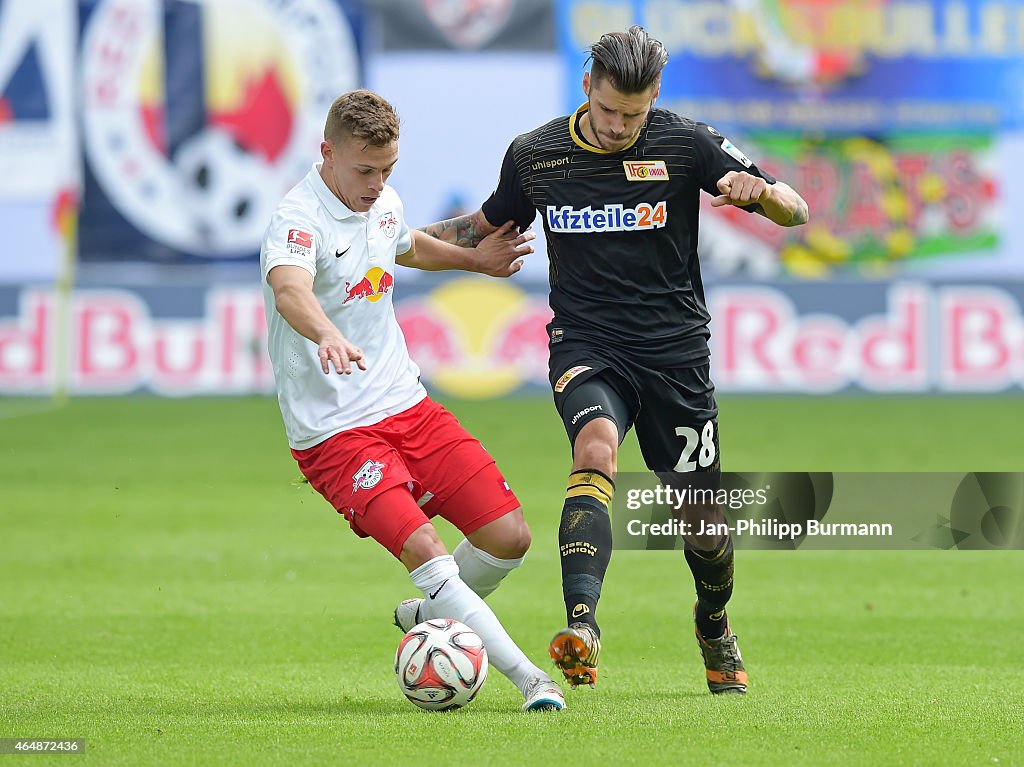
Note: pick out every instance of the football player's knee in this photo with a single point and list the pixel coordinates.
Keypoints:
(518, 542)
(599, 449)
(422, 546)
(508, 537)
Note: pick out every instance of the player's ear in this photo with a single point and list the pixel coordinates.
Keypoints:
(326, 150)
(586, 84)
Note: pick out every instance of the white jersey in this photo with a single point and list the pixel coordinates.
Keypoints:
(352, 259)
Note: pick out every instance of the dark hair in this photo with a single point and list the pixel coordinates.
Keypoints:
(632, 61)
(364, 115)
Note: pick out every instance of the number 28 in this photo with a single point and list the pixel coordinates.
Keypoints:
(706, 441)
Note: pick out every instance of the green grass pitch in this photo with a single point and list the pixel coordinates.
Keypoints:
(168, 593)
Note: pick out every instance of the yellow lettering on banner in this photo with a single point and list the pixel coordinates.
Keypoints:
(994, 21)
(746, 36)
(921, 30)
(663, 19)
(891, 29)
(885, 28)
(706, 28)
(712, 25)
(957, 37)
(589, 20)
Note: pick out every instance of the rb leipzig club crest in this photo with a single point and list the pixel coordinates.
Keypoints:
(369, 474)
(199, 116)
(388, 224)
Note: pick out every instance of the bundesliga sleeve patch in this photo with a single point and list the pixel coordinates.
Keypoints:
(733, 151)
(300, 243)
(645, 170)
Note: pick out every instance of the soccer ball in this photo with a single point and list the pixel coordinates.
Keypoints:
(227, 193)
(441, 664)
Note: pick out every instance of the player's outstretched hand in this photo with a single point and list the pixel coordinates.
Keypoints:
(500, 254)
(740, 188)
(337, 350)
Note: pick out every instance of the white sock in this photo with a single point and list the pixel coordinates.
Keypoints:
(481, 571)
(447, 596)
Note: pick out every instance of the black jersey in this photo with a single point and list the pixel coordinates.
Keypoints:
(621, 229)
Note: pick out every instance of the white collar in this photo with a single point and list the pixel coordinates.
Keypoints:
(335, 207)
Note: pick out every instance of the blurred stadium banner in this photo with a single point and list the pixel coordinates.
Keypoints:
(479, 338)
(860, 66)
(914, 204)
(896, 119)
(466, 25)
(451, 153)
(197, 117)
(39, 159)
(175, 126)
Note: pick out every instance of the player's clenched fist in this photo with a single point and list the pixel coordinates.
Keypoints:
(741, 188)
(336, 350)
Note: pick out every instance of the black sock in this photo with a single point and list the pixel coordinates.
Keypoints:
(585, 544)
(713, 576)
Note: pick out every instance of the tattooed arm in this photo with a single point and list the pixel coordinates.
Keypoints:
(465, 231)
(499, 254)
(777, 202)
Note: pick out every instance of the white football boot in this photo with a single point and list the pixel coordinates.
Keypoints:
(543, 695)
(407, 614)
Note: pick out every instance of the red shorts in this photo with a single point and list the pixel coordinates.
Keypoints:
(424, 448)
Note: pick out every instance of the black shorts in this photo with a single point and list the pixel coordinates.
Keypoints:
(673, 409)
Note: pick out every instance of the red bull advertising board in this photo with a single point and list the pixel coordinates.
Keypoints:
(481, 338)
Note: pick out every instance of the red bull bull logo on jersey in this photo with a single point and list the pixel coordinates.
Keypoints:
(373, 285)
(610, 218)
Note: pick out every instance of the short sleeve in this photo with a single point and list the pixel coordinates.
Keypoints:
(717, 156)
(290, 239)
(509, 201)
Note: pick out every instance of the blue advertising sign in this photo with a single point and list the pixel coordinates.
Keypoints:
(817, 65)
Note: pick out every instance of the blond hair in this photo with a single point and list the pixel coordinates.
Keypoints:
(363, 115)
